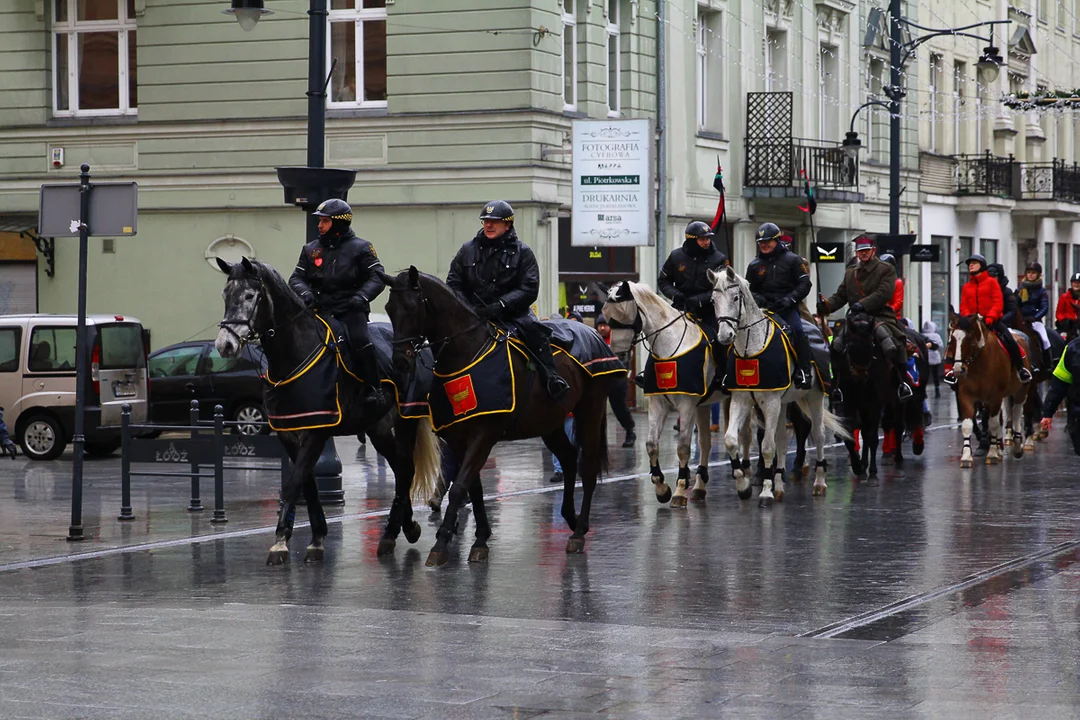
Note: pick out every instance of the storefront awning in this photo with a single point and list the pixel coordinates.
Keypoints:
(17, 223)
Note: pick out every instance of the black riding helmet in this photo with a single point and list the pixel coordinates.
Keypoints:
(889, 258)
(768, 231)
(977, 258)
(498, 210)
(697, 230)
(1037, 267)
(340, 215)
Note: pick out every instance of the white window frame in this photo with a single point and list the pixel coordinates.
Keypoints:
(702, 74)
(935, 100)
(959, 102)
(979, 108)
(68, 33)
(359, 17)
(569, 23)
(614, 35)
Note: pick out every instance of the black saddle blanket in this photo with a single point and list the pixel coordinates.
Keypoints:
(488, 386)
(682, 374)
(584, 346)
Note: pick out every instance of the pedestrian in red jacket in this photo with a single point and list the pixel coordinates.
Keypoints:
(1066, 317)
(981, 295)
(897, 302)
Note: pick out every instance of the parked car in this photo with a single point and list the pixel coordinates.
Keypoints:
(194, 370)
(37, 380)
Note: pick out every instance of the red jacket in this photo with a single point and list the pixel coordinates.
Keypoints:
(897, 302)
(1066, 307)
(981, 295)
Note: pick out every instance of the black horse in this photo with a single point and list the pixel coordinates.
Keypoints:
(260, 306)
(424, 311)
(867, 381)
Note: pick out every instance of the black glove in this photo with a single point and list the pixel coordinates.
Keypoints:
(311, 300)
(856, 307)
(359, 302)
(785, 304)
(678, 301)
(761, 300)
(491, 310)
(822, 308)
(697, 302)
(10, 449)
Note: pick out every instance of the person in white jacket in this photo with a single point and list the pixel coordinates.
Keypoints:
(933, 355)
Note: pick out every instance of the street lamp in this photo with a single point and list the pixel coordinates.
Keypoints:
(900, 52)
(247, 13)
(308, 186)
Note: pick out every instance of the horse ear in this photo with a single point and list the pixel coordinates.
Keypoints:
(713, 277)
(388, 280)
(414, 277)
(248, 267)
(225, 267)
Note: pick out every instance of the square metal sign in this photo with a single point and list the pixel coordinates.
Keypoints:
(114, 209)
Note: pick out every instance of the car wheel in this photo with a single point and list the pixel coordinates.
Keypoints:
(103, 448)
(249, 414)
(42, 438)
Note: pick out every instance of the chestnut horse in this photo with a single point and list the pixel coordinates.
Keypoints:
(985, 375)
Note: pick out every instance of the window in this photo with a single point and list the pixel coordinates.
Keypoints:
(710, 75)
(1048, 266)
(51, 349)
(569, 53)
(979, 94)
(1063, 266)
(935, 102)
(876, 120)
(966, 244)
(776, 60)
(959, 103)
(1061, 15)
(358, 41)
(219, 364)
(939, 282)
(1076, 17)
(94, 67)
(829, 92)
(614, 67)
(121, 346)
(1043, 9)
(177, 362)
(10, 339)
(989, 249)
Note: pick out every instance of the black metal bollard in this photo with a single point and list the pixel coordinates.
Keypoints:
(196, 502)
(219, 469)
(125, 464)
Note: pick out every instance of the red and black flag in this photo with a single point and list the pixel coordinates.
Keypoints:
(811, 201)
(720, 220)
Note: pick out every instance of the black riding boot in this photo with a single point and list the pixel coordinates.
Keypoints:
(368, 366)
(838, 349)
(804, 378)
(557, 387)
(893, 348)
(1013, 349)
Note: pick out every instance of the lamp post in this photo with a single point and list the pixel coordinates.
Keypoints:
(308, 186)
(900, 52)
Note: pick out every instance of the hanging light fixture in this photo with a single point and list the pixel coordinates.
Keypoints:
(247, 13)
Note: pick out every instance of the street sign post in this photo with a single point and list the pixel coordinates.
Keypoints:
(66, 211)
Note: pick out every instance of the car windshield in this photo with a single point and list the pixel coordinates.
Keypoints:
(220, 364)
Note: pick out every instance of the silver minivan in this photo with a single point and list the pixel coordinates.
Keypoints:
(37, 380)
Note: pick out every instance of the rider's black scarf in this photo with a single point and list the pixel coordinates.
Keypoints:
(338, 229)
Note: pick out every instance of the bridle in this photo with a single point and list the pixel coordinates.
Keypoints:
(860, 371)
(252, 336)
(733, 320)
(415, 344)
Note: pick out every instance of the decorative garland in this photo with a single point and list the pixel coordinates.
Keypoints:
(1044, 100)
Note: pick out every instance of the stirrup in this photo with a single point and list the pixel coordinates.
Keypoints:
(557, 387)
(949, 379)
(903, 391)
(837, 396)
(1025, 375)
(803, 381)
(639, 379)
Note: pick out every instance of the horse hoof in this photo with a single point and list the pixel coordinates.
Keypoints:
(965, 464)
(478, 554)
(386, 546)
(1018, 452)
(437, 558)
(435, 504)
(917, 448)
(575, 545)
(819, 491)
(1029, 447)
(697, 496)
(277, 557)
(666, 497)
(765, 502)
(745, 494)
(859, 477)
(314, 554)
(412, 532)
(779, 495)
(795, 477)
(678, 502)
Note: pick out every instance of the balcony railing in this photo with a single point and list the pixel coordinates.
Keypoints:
(776, 163)
(986, 175)
(1050, 181)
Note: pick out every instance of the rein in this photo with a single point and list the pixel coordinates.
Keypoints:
(417, 343)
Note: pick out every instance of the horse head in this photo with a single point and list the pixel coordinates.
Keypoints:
(620, 305)
(860, 345)
(407, 308)
(729, 301)
(246, 315)
(967, 337)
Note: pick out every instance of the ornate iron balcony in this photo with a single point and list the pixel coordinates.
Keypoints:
(987, 174)
(1050, 181)
(776, 162)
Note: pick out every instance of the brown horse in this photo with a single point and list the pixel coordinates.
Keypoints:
(426, 312)
(985, 376)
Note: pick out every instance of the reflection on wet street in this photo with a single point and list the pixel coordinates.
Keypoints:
(933, 593)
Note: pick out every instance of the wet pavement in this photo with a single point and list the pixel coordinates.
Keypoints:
(934, 593)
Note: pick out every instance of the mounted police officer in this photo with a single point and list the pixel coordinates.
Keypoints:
(338, 274)
(684, 279)
(779, 280)
(498, 275)
(868, 286)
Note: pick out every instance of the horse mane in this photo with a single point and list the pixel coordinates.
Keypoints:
(648, 299)
(439, 283)
(270, 277)
(739, 280)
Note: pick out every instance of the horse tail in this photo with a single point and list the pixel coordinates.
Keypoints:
(833, 423)
(427, 461)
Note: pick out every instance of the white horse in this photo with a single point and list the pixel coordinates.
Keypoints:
(743, 324)
(669, 333)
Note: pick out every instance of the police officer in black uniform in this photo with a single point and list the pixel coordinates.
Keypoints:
(684, 279)
(338, 274)
(779, 279)
(498, 274)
